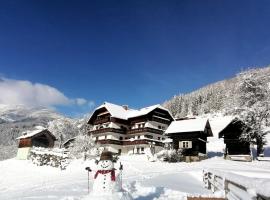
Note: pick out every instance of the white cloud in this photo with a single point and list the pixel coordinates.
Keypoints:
(80, 101)
(21, 92)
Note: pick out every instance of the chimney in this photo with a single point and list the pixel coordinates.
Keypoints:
(125, 107)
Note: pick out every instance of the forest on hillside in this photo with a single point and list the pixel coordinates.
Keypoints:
(247, 90)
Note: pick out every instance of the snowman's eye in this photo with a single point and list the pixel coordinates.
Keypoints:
(106, 161)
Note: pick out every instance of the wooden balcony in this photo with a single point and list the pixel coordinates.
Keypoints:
(101, 121)
(141, 141)
(127, 142)
(108, 141)
(107, 130)
(163, 121)
(144, 130)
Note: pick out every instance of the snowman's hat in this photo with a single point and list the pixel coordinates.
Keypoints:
(106, 155)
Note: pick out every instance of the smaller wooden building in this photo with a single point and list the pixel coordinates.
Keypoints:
(190, 135)
(236, 148)
(40, 137)
(69, 143)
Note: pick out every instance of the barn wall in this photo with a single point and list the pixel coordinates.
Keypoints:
(25, 142)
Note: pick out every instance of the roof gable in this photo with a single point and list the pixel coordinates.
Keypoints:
(218, 124)
(120, 112)
(236, 128)
(36, 132)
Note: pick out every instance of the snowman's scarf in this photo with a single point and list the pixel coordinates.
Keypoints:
(106, 172)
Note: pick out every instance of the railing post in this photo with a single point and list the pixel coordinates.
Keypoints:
(225, 186)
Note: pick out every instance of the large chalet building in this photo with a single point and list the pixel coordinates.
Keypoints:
(124, 130)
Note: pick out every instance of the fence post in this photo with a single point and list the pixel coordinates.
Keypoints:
(225, 186)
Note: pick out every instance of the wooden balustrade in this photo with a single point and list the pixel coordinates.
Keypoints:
(106, 130)
(145, 129)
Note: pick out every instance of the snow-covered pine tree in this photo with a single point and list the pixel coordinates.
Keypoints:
(63, 129)
(252, 94)
(84, 145)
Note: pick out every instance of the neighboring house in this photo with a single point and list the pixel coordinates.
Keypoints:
(69, 143)
(40, 137)
(190, 135)
(124, 130)
(236, 149)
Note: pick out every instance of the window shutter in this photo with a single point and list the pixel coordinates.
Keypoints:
(180, 144)
(189, 144)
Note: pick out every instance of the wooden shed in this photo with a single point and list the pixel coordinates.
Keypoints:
(190, 135)
(235, 147)
(40, 137)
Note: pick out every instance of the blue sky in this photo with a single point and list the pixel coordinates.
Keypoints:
(127, 52)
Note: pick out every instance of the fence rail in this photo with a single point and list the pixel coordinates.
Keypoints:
(236, 187)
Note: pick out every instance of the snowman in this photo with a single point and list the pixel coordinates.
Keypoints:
(107, 180)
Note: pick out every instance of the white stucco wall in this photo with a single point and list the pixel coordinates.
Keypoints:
(153, 124)
(23, 153)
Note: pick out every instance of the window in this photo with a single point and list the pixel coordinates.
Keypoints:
(139, 125)
(139, 137)
(105, 137)
(185, 144)
(158, 138)
(142, 150)
(143, 125)
(96, 138)
(159, 127)
(120, 138)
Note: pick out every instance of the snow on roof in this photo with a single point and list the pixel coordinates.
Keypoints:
(122, 113)
(28, 134)
(189, 125)
(145, 111)
(220, 123)
(115, 110)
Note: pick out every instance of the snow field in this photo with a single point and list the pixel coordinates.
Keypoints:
(144, 180)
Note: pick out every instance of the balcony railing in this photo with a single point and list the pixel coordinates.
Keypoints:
(106, 130)
(127, 142)
(108, 141)
(101, 121)
(141, 141)
(163, 121)
(143, 130)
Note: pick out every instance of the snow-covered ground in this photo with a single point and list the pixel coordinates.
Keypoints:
(143, 179)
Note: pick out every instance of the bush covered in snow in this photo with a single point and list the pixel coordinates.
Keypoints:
(84, 147)
(51, 157)
(170, 155)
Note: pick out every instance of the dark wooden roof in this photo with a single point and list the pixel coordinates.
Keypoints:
(234, 129)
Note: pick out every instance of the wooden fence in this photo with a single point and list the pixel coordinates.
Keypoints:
(236, 187)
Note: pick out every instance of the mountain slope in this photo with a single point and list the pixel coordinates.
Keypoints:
(16, 119)
(227, 96)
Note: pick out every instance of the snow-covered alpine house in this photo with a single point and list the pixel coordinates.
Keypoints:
(40, 137)
(123, 130)
(190, 135)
